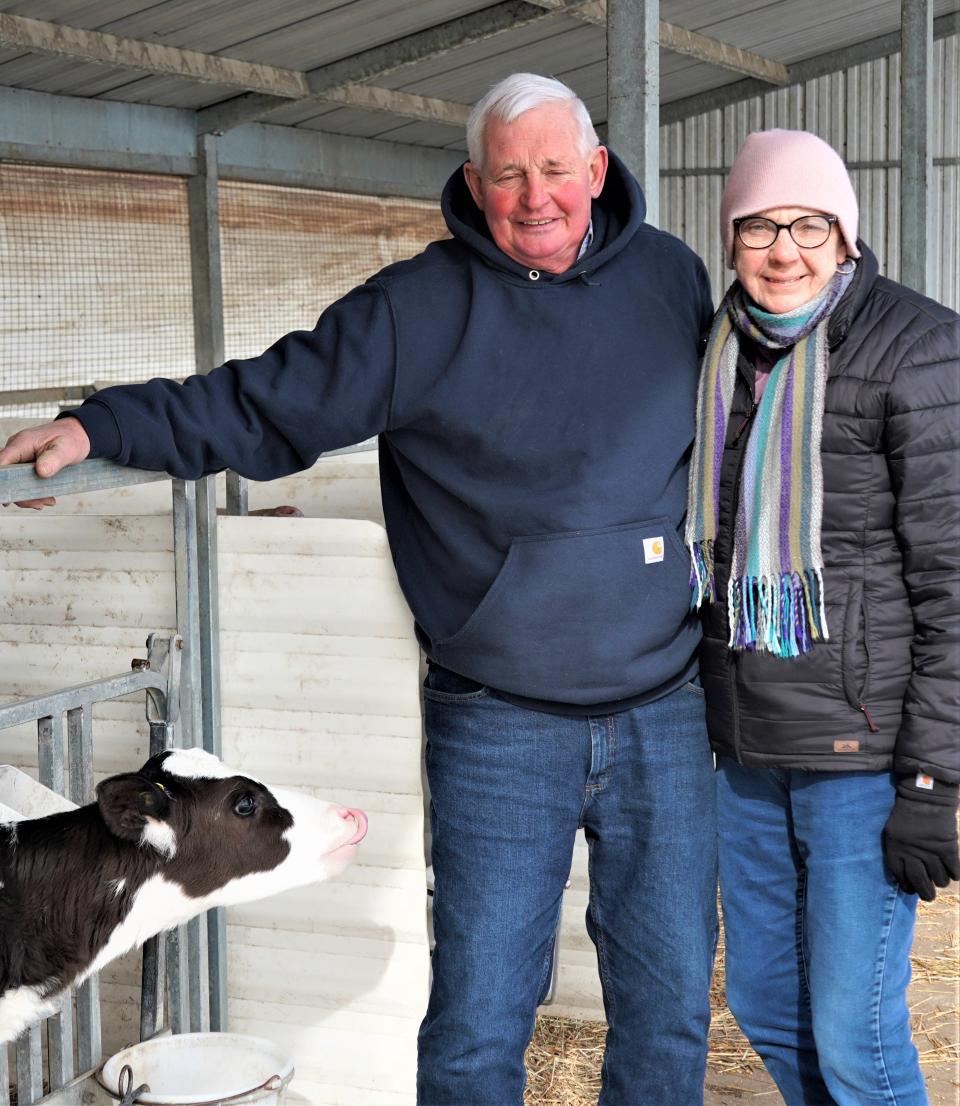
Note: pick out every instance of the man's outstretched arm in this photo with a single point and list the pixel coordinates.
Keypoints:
(265, 417)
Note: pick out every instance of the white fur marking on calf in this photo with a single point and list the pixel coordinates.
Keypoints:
(117, 885)
(20, 1007)
(161, 836)
(198, 764)
(157, 905)
(314, 822)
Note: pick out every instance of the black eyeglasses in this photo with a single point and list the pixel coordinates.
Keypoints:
(809, 231)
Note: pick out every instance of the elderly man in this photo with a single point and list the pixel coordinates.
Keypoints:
(532, 381)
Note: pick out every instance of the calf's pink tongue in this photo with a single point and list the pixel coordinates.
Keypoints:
(361, 819)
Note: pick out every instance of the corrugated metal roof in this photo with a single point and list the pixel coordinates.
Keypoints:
(305, 34)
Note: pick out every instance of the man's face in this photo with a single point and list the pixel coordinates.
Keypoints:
(535, 186)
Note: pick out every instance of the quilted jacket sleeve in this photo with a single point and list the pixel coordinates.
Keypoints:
(922, 440)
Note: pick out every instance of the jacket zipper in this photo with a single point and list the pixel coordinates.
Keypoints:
(735, 709)
(746, 422)
(874, 728)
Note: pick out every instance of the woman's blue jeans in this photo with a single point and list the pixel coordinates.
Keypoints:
(818, 934)
(509, 787)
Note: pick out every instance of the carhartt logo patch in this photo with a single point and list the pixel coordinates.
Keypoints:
(652, 550)
(846, 746)
(924, 781)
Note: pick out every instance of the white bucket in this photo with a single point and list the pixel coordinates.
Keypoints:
(202, 1069)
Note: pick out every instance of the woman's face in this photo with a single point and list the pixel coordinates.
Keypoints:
(784, 276)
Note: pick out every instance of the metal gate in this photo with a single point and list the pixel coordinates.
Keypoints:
(184, 970)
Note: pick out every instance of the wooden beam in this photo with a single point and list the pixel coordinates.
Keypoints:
(149, 57)
(690, 43)
(507, 16)
(594, 11)
(722, 54)
(405, 104)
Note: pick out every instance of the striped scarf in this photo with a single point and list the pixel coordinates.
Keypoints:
(775, 592)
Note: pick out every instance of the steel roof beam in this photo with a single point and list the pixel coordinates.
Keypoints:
(280, 86)
(722, 54)
(808, 70)
(149, 57)
(405, 104)
(269, 88)
(682, 41)
(391, 56)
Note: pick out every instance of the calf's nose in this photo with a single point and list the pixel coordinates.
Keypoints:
(352, 814)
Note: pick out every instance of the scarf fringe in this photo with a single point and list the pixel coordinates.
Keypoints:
(702, 582)
(783, 615)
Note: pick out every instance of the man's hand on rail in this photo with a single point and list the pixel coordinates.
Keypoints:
(53, 446)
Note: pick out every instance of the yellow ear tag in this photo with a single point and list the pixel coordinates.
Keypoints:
(160, 786)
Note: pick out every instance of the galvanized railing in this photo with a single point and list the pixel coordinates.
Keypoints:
(185, 712)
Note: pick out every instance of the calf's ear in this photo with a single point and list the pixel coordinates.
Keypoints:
(127, 801)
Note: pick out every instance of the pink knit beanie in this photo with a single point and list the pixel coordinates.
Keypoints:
(788, 169)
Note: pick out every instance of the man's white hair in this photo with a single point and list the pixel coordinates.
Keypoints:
(519, 93)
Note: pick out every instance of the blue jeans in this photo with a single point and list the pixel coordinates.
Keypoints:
(818, 934)
(509, 787)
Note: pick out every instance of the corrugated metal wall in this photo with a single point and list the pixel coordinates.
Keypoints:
(858, 113)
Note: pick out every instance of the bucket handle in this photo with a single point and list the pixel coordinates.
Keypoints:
(129, 1095)
(274, 1083)
(130, 1098)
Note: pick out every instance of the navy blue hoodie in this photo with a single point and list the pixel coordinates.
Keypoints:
(534, 435)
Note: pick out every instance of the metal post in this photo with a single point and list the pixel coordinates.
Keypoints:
(29, 1067)
(80, 737)
(633, 92)
(916, 149)
(188, 610)
(162, 737)
(204, 206)
(29, 1054)
(188, 987)
(52, 774)
(203, 198)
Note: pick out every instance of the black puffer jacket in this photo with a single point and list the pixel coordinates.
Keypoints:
(884, 690)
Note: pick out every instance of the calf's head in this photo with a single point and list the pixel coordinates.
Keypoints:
(185, 833)
(223, 836)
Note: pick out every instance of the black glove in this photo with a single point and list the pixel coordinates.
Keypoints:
(920, 837)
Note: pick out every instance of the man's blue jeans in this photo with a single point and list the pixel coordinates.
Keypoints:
(817, 934)
(509, 787)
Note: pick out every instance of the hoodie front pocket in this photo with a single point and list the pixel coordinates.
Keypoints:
(586, 616)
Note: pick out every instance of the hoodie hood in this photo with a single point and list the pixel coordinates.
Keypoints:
(617, 214)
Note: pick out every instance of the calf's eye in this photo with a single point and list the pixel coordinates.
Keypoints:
(244, 805)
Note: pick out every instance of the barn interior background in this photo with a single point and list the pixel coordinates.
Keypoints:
(182, 182)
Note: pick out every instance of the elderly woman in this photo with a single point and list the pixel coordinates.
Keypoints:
(823, 525)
